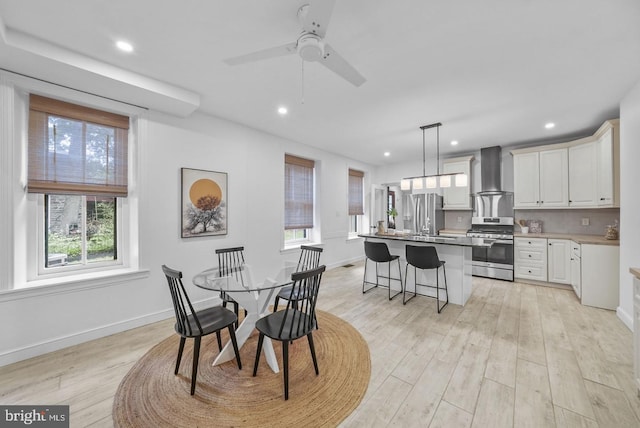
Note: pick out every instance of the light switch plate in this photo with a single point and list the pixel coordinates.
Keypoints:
(585, 221)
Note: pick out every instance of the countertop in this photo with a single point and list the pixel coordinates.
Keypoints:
(635, 272)
(459, 241)
(580, 239)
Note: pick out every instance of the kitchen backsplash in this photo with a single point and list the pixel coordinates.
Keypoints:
(571, 221)
(552, 221)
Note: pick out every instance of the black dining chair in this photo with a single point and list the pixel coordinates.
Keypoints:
(196, 324)
(297, 320)
(230, 262)
(309, 259)
(425, 258)
(378, 252)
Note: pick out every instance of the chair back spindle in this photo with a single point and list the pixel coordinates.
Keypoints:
(309, 258)
(231, 263)
(299, 315)
(181, 303)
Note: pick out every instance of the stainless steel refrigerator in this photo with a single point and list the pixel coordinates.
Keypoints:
(428, 217)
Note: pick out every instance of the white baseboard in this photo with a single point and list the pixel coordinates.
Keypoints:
(625, 317)
(345, 262)
(15, 355)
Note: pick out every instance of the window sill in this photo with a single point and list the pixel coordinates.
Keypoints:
(297, 245)
(69, 283)
(354, 238)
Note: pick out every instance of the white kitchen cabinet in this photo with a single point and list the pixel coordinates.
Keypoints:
(541, 179)
(583, 183)
(581, 173)
(576, 277)
(455, 197)
(526, 180)
(604, 168)
(600, 275)
(530, 258)
(559, 261)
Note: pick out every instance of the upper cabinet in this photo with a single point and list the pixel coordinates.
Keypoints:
(540, 179)
(581, 173)
(454, 197)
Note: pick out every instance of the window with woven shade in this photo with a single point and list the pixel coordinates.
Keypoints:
(78, 164)
(356, 192)
(76, 150)
(298, 194)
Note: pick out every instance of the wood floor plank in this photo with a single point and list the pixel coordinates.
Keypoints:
(422, 402)
(495, 406)
(467, 378)
(567, 385)
(380, 408)
(448, 416)
(568, 419)
(533, 405)
(610, 406)
(530, 338)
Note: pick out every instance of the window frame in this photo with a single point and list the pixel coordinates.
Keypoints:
(19, 232)
(309, 232)
(355, 220)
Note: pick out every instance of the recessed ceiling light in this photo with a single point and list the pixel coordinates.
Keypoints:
(124, 46)
(549, 125)
(387, 154)
(454, 143)
(282, 111)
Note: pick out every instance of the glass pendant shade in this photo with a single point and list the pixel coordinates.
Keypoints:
(461, 180)
(445, 181)
(405, 184)
(432, 182)
(417, 183)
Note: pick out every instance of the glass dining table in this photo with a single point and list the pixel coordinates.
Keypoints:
(254, 296)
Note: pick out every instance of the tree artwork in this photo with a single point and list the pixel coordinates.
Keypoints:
(203, 203)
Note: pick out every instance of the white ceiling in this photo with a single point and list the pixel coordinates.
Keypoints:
(492, 71)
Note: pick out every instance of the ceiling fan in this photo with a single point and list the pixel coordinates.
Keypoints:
(314, 18)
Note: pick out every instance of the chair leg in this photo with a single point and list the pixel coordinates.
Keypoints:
(446, 289)
(285, 367)
(232, 333)
(312, 348)
(275, 303)
(415, 286)
(180, 349)
(196, 356)
(219, 340)
(399, 276)
(255, 366)
(236, 309)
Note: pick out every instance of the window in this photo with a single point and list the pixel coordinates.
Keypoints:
(356, 200)
(78, 169)
(298, 198)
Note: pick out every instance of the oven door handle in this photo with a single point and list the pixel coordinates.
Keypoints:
(503, 241)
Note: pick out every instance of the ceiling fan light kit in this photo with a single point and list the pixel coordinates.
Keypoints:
(436, 180)
(310, 46)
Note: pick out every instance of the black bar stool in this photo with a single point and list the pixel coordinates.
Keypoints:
(379, 253)
(425, 258)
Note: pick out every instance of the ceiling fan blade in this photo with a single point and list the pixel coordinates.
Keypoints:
(334, 62)
(288, 49)
(318, 16)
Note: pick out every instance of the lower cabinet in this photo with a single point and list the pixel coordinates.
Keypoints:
(530, 258)
(559, 261)
(576, 265)
(600, 272)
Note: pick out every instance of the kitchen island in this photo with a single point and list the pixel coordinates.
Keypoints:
(456, 251)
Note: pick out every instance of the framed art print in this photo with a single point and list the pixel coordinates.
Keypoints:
(204, 203)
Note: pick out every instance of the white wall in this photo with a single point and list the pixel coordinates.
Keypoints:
(35, 323)
(629, 199)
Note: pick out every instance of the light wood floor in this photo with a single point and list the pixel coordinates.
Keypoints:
(516, 355)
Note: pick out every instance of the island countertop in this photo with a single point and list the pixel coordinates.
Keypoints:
(442, 240)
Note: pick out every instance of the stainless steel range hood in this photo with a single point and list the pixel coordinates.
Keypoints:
(491, 202)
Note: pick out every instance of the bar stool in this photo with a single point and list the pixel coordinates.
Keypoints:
(424, 258)
(379, 253)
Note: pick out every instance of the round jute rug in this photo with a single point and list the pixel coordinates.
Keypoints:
(150, 395)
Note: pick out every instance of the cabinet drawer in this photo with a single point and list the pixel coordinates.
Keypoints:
(528, 255)
(536, 272)
(530, 243)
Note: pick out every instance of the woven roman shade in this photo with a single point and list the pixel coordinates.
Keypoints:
(298, 192)
(356, 193)
(76, 150)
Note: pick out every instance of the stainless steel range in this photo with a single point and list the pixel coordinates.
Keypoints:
(496, 261)
(492, 218)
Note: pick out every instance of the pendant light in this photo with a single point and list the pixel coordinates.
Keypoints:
(435, 180)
